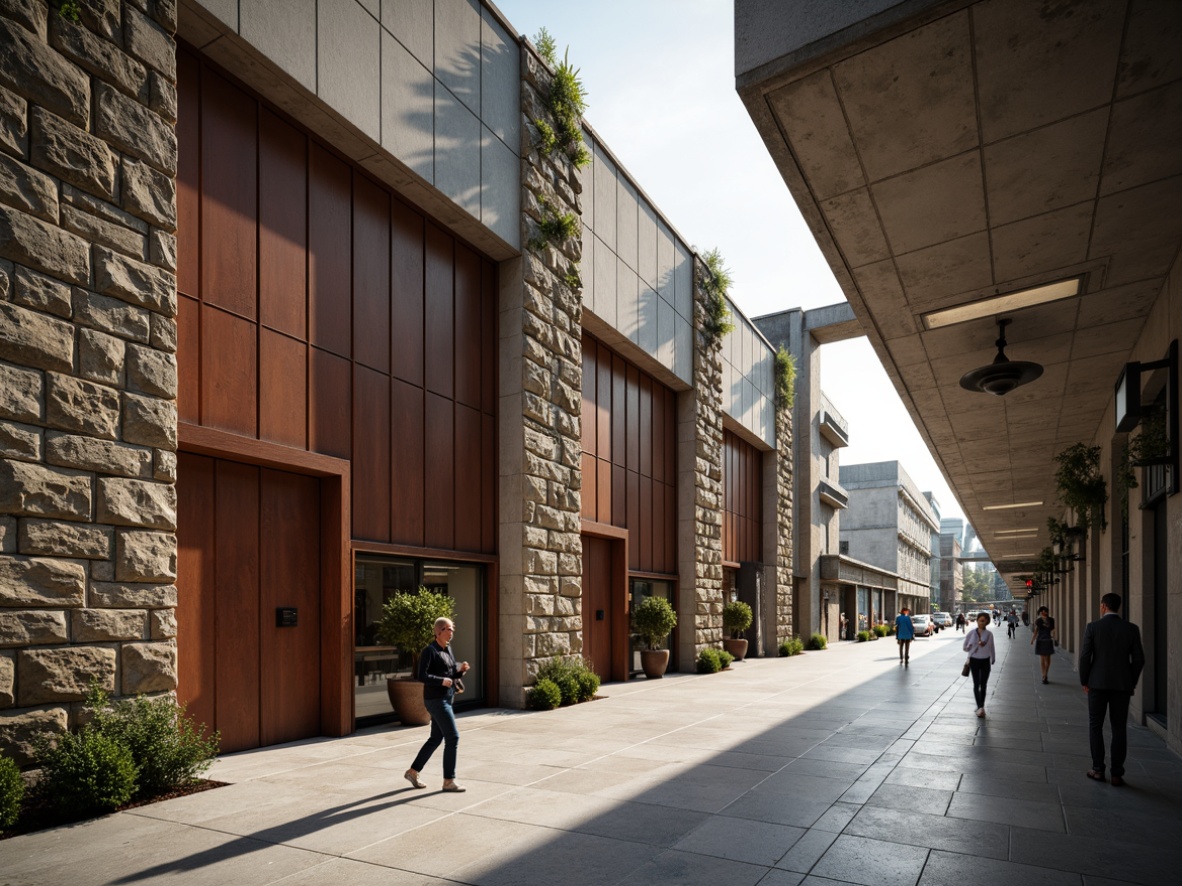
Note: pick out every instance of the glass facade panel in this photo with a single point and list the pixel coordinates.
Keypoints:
(377, 579)
(641, 588)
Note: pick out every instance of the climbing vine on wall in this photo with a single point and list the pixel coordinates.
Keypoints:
(785, 379)
(566, 101)
(717, 282)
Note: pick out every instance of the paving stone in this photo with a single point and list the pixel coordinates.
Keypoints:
(983, 838)
(871, 862)
(1007, 810)
(948, 867)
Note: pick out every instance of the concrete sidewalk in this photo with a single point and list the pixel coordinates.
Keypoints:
(836, 766)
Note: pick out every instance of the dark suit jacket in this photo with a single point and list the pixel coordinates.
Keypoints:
(1111, 656)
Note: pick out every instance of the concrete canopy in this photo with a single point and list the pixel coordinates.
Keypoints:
(944, 153)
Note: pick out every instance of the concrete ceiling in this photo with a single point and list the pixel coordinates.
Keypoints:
(980, 148)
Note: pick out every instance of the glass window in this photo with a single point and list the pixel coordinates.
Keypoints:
(641, 588)
(377, 579)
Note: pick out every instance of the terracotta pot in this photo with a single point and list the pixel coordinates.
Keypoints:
(737, 648)
(406, 696)
(654, 662)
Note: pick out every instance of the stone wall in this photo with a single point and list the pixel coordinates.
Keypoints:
(88, 422)
(541, 403)
(781, 562)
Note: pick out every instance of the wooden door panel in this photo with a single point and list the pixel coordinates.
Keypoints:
(236, 542)
(289, 558)
(195, 614)
(597, 598)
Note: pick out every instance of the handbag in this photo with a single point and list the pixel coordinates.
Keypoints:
(964, 672)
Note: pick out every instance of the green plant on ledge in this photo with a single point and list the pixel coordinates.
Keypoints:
(567, 103)
(717, 282)
(785, 379)
(71, 10)
(1149, 446)
(1081, 486)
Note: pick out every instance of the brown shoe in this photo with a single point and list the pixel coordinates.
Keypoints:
(1095, 776)
(1117, 781)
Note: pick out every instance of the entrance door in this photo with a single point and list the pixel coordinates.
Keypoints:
(249, 546)
(597, 604)
(1161, 670)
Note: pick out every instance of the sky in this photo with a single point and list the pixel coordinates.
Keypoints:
(660, 84)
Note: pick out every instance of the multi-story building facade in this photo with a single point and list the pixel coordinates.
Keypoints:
(951, 564)
(889, 524)
(286, 328)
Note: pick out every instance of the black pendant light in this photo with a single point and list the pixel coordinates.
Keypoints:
(1003, 374)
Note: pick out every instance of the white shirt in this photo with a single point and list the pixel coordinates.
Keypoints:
(978, 643)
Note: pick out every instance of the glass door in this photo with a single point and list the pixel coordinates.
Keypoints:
(639, 589)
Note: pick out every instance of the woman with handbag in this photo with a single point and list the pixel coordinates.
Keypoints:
(978, 643)
(1043, 639)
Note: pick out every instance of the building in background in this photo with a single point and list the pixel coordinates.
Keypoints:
(951, 564)
(889, 523)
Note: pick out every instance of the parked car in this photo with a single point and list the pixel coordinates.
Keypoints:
(943, 619)
(923, 625)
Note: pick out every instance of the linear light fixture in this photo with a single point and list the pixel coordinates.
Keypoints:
(1020, 504)
(1032, 529)
(1001, 304)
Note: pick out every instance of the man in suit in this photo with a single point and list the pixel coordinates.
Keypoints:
(1110, 663)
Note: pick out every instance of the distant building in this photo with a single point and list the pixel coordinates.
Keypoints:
(889, 524)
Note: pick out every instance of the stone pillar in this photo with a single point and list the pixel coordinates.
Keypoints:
(88, 420)
(777, 539)
(541, 563)
(700, 490)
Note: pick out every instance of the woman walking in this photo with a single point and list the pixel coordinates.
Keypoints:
(978, 644)
(439, 672)
(1043, 639)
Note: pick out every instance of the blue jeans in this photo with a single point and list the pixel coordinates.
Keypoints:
(443, 729)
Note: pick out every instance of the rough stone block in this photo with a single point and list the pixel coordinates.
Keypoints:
(34, 339)
(165, 466)
(145, 556)
(32, 627)
(102, 570)
(7, 535)
(30, 490)
(104, 210)
(165, 13)
(162, 96)
(149, 421)
(149, 667)
(20, 441)
(42, 293)
(103, 17)
(7, 272)
(104, 456)
(72, 154)
(149, 194)
(162, 624)
(7, 680)
(149, 42)
(73, 404)
(80, 541)
(27, 189)
(162, 250)
(106, 625)
(30, 68)
(29, 581)
(14, 126)
(29, 241)
(21, 393)
(111, 315)
(98, 230)
(101, 357)
(164, 333)
(134, 129)
(134, 282)
(152, 371)
(49, 675)
(113, 595)
(98, 56)
(136, 503)
(21, 731)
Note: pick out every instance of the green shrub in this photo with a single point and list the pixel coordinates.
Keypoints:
(572, 676)
(725, 659)
(168, 747)
(863, 636)
(588, 684)
(12, 792)
(408, 620)
(818, 641)
(792, 646)
(86, 773)
(736, 618)
(709, 661)
(880, 630)
(653, 619)
(544, 695)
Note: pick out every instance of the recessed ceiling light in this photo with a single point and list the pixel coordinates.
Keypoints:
(1001, 304)
(1021, 504)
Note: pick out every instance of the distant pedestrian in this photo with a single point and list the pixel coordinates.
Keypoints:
(845, 627)
(1012, 624)
(904, 633)
(982, 654)
(961, 621)
(1043, 639)
(1025, 618)
(1110, 663)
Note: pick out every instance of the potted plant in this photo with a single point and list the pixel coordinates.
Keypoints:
(1082, 486)
(736, 618)
(408, 623)
(654, 618)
